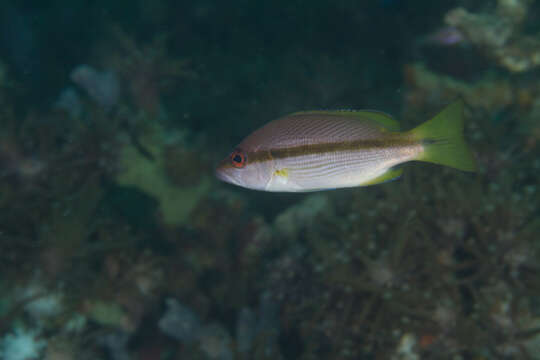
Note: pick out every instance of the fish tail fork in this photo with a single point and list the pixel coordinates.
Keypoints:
(443, 141)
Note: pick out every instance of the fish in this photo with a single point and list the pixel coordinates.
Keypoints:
(447, 36)
(322, 150)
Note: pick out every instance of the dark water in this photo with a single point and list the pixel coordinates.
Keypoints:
(117, 242)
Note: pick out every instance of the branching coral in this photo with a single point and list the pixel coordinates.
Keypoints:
(147, 70)
(427, 87)
(499, 34)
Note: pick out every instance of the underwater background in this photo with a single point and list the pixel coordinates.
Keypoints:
(117, 242)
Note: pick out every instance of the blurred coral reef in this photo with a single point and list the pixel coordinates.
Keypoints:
(499, 34)
(117, 243)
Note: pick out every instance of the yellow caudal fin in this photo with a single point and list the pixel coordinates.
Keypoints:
(442, 138)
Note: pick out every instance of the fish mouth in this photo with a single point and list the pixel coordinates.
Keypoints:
(224, 176)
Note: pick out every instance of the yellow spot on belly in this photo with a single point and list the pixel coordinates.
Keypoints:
(284, 173)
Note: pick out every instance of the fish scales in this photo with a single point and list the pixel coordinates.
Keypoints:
(308, 129)
(342, 168)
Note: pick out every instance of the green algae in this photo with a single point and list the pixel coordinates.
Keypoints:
(150, 176)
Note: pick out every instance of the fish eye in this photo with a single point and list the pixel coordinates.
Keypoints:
(238, 159)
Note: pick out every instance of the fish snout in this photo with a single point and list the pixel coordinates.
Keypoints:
(221, 175)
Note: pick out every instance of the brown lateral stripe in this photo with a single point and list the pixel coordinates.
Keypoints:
(266, 155)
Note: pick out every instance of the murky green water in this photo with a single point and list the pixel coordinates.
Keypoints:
(118, 242)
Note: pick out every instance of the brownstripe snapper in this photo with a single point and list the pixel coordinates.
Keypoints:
(321, 150)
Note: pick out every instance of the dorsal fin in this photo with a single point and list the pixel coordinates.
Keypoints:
(387, 121)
